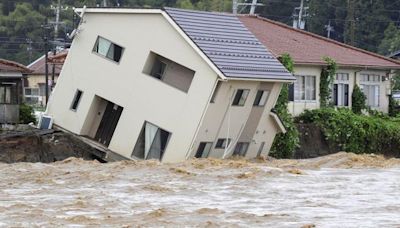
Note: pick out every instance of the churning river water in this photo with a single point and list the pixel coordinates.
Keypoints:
(342, 190)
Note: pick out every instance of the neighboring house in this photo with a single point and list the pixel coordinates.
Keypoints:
(355, 66)
(35, 85)
(11, 75)
(169, 84)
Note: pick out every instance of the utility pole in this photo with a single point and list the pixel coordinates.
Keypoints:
(234, 6)
(300, 13)
(253, 5)
(46, 28)
(329, 28)
(299, 18)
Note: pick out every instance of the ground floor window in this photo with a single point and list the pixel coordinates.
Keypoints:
(304, 88)
(151, 143)
(222, 143)
(341, 94)
(204, 150)
(371, 92)
(241, 149)
(8, 93)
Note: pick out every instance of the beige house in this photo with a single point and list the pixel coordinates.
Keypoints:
(372, 72)
(169, 84)
(35, 81)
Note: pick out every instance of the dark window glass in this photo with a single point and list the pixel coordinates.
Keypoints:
(222, 143)
(158, 69)
(215, 92)
(76, 100)
(151, 143)
(241, 149)
(108, 49)
(240, 97)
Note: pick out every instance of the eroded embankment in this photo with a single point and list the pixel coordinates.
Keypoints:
(203, 193)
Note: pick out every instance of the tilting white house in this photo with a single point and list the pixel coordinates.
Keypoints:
(169, 84)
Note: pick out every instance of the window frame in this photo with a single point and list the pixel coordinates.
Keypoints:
(241, 154)
(77, 91)
(304, 87)
(340, 81)
(245, 99)
(163, 72)
(223, 145)
(266, 99)
(208, 153)
(14, 100)
(143, 129)
(105, 56)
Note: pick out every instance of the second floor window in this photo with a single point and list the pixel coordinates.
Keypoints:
(304, 88)
(240, 97)
(108, 49)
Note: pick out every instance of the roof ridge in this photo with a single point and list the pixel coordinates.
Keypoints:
(226, 40)
(15, 64)
(322, 38)
(241, 55)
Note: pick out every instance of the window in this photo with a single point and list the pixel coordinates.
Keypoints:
(151, 143)
(241, 149)
(108, 49)
(32, 95)
(304, 88)
(370, 85)
(341, 90)
(222, 143)
(240, 97)
(261, 98)
(158, 69)
(169, 72)
(8, 93)
(75, 101)
(371, 92)
(215, 92)
(42, 89)
(204, 150)
(260, 149)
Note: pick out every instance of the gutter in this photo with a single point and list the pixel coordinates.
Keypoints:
(278, 121)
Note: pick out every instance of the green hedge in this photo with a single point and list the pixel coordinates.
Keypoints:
(356, 133)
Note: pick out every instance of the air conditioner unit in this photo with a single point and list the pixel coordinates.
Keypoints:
(45, 122)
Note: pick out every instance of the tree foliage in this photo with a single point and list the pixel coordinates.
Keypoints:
(328, 74)
(285, 143)
(358, 100)
(356, 133)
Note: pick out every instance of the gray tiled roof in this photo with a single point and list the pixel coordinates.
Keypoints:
(229, 45)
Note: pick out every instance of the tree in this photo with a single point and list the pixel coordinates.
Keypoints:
(285, 143)
(358, 100)
(391, 40)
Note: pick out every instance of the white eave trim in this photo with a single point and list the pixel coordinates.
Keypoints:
(278, 122)
(262, 80)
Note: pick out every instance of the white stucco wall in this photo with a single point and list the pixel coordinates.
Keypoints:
(222, 120)
(297, 107)
(143, 98)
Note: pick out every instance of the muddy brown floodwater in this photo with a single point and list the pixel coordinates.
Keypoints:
(340, 190)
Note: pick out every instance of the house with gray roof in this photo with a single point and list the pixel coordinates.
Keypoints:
(168, 84)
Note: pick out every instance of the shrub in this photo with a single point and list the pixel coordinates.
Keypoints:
(358, 100)
(285, 144)
(26, 114)
(327, 77)
(356, 133)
